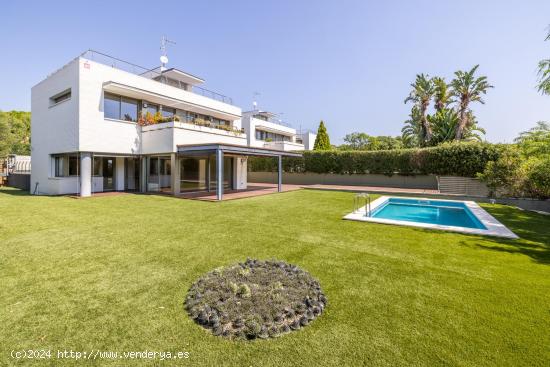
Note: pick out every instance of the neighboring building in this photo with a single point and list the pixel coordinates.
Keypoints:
(307, 138)
(263, 130)
(102, 124)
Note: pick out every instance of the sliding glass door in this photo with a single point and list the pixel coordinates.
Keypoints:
(227, 173)
(159, 173)
(193, 174)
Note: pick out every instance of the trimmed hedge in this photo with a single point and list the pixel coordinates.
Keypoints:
(451, 159)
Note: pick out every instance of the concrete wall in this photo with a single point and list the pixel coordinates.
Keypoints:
(412, 182)
(54, 128)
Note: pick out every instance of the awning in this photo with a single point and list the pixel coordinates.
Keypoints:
(197, 149)
(221, 149)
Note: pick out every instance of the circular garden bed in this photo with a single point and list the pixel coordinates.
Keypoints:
(255, 299)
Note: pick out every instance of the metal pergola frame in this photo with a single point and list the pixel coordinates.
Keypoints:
(220, 149)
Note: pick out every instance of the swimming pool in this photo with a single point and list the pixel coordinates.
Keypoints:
(450, 215)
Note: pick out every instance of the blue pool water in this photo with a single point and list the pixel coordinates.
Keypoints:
(428, 211)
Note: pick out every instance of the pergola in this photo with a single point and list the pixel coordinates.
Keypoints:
(219, 149)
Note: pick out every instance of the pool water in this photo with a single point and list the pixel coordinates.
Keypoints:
(438, 212)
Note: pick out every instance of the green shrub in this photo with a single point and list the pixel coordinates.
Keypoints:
(455, 159)
(505, 175)
(538, 178)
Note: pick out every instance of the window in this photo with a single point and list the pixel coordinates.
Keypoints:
(59, 167)
(66, 165)
(264, 135)
(120, 108)
(111, 106)
(128, 109)
(97, 166)
(60, 97)
(168, 112)
(151, 108)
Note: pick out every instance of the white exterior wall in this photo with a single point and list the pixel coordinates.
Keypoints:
(54, 129)
(308, 139)
(79, 125)
(250, 124)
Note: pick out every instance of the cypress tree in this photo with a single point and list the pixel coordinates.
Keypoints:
(322, 141)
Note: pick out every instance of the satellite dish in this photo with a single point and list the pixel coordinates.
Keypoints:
(164, 59)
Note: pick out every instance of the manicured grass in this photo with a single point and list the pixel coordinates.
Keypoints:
(111, 274)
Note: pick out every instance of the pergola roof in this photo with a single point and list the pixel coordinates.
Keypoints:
(196, 149)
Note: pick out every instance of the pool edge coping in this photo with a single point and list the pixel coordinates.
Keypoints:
(494, 227)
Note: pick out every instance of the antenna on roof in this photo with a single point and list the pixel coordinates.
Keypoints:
(255, 102)
(164, 41)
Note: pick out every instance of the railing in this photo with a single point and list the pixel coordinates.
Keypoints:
(272, 120)
(148, 73)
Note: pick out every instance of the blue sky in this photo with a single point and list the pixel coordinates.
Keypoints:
(349, 63)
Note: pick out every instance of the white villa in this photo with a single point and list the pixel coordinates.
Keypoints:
(102, 124)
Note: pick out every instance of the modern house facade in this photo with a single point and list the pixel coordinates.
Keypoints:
(102, 124)
(264, 130)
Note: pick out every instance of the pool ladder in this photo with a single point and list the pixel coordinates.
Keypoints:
(362, 198)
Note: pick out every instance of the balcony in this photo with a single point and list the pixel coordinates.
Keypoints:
(284, 145)
(155, 74)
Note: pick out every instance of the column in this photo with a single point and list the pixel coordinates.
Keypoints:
(119, 174)
(219, 174)
(85, 174)
(280, 174)
(175, 169)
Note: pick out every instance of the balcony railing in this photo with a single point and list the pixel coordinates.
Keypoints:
(195, 121)
(273, 120)
(149, 74)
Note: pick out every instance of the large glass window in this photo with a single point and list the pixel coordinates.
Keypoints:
(269, 136)
(120, 108)
(128, 109)
(66, 165)
(151, 108)
(193, 174)
(111, 106)
(168, 112)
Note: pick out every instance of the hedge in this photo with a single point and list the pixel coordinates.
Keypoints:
(451, 159)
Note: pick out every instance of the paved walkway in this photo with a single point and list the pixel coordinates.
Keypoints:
(389, 190)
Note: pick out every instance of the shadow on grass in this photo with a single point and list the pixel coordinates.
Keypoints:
(532, 228)
(13, 191)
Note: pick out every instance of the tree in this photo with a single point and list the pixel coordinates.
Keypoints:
(421, 95)
(362, 141)
(445, 123)
(15, 132)
(544, 73)
(467, 88)
(412, 133)
(535, 141)
(322, 141)
(442, 95)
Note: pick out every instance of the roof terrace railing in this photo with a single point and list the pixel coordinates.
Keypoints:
(152, 74)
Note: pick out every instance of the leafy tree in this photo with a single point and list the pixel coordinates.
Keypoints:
(467, 88)
(322, 141)
(535, 142)
(362, 141)
(544, 73)
(421, 95)
(15, 132)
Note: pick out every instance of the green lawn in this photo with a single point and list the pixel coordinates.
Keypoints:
(111, 274)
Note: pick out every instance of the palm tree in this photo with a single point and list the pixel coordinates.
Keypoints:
(467, 88)
(412, 132)
(422, 93)
(544, 73)
(442, 95)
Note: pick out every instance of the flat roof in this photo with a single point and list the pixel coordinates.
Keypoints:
(234, 149)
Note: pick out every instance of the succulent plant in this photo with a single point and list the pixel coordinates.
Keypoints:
(255, 299)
